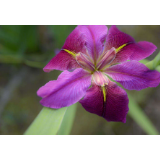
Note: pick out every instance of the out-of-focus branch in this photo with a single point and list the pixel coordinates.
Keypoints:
(10, 87)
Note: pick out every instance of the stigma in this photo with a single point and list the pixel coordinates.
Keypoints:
(99, 78)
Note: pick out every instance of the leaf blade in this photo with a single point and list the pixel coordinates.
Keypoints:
(47, 122)
(140, 118)
(67, 122)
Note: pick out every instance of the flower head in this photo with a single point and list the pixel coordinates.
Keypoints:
(89, 59)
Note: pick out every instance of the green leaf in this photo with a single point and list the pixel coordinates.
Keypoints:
(154, 63)
(144, 61)
(158, 68)
(67, 123)
(9, 58)
(139, 116)
(49, 122)
(8, 37)
(35, 64)
(20, 41)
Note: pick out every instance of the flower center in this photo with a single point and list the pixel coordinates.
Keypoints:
(97, 69)
(100, 78)
(104, 61)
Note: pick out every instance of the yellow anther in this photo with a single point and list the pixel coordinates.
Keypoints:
(119, 48)
(104, 93)
(72, 53)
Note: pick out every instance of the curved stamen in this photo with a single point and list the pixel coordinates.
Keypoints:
(85, 62)
(70, 52)
(106, 59)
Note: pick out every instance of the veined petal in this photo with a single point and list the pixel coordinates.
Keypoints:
(84, 39)
(141, 50)
(134, 75)
(127, 48)
(65, 59)
(93, 100)
(67, 90)
(76, 41)
(47, 89)
(116, 38)
(62, 61)
(98, 34)
(87, 40)
(114, 109)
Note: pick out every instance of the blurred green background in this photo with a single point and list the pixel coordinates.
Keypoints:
(25, 50)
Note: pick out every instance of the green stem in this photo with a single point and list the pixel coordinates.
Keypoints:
(140, 117)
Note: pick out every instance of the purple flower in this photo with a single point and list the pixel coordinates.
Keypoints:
(94, 57)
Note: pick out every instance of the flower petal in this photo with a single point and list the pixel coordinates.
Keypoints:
(141, 50)
(85, 39)
(67, 90)
(75, 43)
(114, 109)
(62, 61)
(46, 90)
(77, 40)
(98, 34)
(93, 100)
(126, 46)
(134, 75)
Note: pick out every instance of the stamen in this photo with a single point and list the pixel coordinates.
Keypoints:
(107, 59)
(72, 53)
(84, 62)
(119, 48)
(104, 93)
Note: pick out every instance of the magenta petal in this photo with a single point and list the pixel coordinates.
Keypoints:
(62, 61)
(140, 50)
(116, 103)
(98, 34)
(116, 106)
(46, 89)
(93, 100)
(132, 50)
(134, 75)
(135, 51)
(67, 90)
(116, 38)
(76, 41)
(87, 37)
